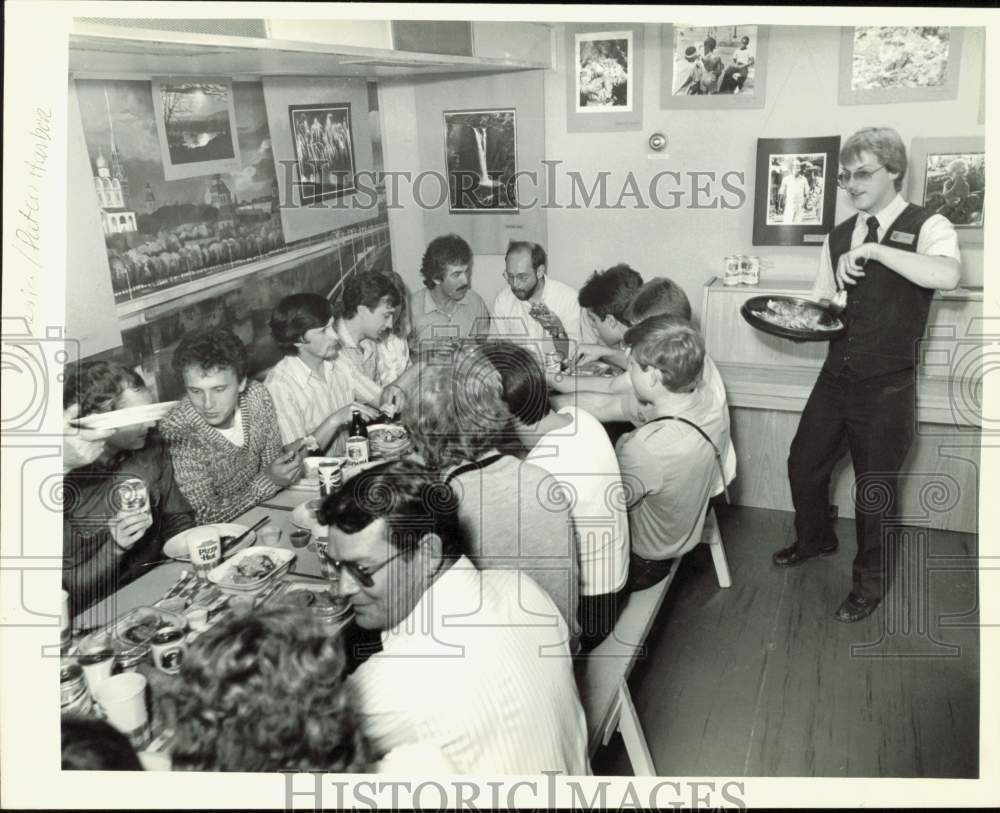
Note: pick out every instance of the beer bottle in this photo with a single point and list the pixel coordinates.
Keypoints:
(357, 439)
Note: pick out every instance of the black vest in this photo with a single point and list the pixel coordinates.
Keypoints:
(886, 313)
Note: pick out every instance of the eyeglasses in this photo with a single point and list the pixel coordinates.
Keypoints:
(859, 175)
(520, 279)
(361, 574)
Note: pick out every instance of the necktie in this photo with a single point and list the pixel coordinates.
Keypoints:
(872, 236)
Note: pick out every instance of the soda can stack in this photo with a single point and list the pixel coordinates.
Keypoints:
(733, 274)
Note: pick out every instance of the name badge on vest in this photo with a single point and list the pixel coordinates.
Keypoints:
(902, 237)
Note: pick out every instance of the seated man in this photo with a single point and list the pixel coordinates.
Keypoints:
(671, 464)
(573, 447)
(447, 307)
(471, 661)
(367, 316)
(314, 392)
(105, 544)
(539, 312)
(223, 435)
(604, 299)
(460, 425)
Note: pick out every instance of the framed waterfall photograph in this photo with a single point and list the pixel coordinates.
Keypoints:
(481, 158)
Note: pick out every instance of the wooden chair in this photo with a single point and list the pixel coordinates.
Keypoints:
(602, 675)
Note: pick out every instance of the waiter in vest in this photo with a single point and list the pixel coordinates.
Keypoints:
(889, 258)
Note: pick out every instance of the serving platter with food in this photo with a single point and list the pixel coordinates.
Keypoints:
(130, 635)
(793, 317)
(229, 532)
(388, 440)
(251, 568)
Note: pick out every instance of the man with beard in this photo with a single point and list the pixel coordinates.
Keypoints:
(535, 310)
(447, 307)
(314, 392)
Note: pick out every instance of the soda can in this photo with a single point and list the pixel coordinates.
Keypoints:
(750, 266)
(733, 273)
(168, 650)
(331, 476)
(553, 362)
(131, 496)
(357, 449)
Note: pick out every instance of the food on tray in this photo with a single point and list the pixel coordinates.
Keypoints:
(387, 440)
(797, 316)
(141, 633)
(254, 567)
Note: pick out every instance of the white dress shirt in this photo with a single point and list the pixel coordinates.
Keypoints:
(512, 318)
(473, 672)
(937, 238)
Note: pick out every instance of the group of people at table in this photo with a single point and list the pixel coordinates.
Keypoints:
(481, 564)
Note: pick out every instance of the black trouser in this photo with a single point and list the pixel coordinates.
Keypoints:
(873, 418)
(597, 616)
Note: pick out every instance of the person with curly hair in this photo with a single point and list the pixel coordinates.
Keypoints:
(103, 547)
(461, 427)
(224, 438)
(263, 691)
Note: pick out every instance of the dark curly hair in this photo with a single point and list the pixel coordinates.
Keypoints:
(368, 289)
(449, 249)
(212, 348)
(610, 291)
(296, 314)
(263, 691)
(97, 385)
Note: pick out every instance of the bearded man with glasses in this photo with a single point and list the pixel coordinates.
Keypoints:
(885, 263)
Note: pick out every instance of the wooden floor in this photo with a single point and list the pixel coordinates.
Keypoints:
(761, 680)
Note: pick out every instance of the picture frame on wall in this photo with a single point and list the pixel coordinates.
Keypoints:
(948, 177)
(323, 145)
(796, 190)
(196, 124)
(481, 159)
(721, 67)
(889, 64)
(604, 77)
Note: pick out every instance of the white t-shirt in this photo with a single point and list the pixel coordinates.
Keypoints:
(580, 456)
(234, 434)
(512, 318)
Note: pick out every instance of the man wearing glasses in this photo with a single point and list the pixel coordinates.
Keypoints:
(474, 662)
(535, 310)
(885, 263)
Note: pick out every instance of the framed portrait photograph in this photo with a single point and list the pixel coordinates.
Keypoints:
(481, 156)
(885, 64)
(196, 124)
(796, 193)
(714, 67)
(948, 177)
(324, 150)
(604, 78)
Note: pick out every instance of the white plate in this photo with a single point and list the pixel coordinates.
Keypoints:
(224, 573)
(176, 547)
(127, 417)
(304, 516)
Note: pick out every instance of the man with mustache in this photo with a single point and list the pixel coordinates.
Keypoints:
(889, 258)
(447, 308)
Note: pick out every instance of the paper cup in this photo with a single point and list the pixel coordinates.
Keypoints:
(123, 699)
(64, 629)
(97, 667)
(270, 537)
(205, 549)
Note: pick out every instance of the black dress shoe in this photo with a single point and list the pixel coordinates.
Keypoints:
(793, 555)
(855, 608)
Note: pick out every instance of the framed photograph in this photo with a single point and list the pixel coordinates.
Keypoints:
(604, 90)
(796, 192)
(196, 123)
(713, 67)
(884, 64)
(948, 177)
(324, 150)
(481, 156)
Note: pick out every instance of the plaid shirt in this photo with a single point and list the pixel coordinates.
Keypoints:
(219, 479)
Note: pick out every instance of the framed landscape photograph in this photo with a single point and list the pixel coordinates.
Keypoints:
(885, 64)
(481, 156)
(948, 177)
(604, 78)
(714, 67)
(324, 150)
(196, 123)
(796, 194)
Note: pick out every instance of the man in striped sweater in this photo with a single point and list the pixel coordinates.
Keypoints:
(223, 435)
